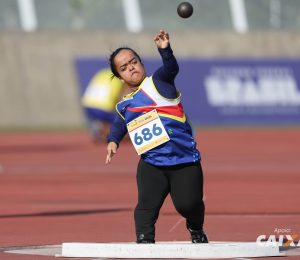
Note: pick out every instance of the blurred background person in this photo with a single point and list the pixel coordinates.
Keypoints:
(99, 101)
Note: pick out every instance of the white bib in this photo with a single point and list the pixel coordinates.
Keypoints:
(147, 131)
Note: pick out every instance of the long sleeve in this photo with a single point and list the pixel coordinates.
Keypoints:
(165, 75)
(117, 130)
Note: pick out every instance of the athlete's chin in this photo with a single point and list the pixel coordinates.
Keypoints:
(136, 79)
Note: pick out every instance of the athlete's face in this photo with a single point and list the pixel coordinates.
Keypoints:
(130, 69)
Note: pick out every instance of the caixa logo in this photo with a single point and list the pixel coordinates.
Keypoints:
(285, 240)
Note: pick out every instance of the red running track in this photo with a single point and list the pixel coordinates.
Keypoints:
(55, 188)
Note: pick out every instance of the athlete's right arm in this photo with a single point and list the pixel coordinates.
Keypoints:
(117, 131)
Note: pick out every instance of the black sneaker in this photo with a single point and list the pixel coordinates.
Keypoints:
(198, 236)
(141, 239)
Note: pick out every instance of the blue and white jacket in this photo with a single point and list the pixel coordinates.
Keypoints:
(159, 92)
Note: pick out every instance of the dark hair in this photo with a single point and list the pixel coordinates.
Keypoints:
(112, 60)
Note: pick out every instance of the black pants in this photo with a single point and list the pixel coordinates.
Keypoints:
(184, 182)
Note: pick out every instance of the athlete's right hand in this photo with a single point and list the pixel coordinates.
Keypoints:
(111, 151)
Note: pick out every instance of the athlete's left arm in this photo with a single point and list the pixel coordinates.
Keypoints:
(164, 76)
(170, 67)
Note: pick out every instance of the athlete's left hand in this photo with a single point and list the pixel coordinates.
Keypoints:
(162, 39)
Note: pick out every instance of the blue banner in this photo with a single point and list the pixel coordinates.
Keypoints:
(228, 91)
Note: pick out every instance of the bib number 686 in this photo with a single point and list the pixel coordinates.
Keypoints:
(147, 134)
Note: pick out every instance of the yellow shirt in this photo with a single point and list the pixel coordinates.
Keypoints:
(103, 92)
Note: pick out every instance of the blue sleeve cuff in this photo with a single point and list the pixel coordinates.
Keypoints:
(166, 53)
(112, 139)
